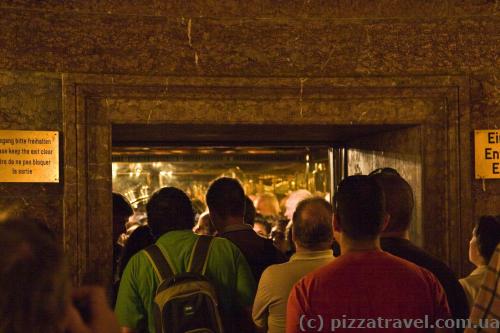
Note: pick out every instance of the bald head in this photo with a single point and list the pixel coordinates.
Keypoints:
(312, 224)
(293, 200)
(399, 201)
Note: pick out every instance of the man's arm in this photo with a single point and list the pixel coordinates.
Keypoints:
(441, 308)
(245, 282)
(295, 309)
(129, 305)
(260, 310)
(245, 292)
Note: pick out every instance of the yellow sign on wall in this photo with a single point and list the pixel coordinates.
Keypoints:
(29, 156)
(487, 153)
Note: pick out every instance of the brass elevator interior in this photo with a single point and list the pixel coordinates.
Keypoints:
(146, 158)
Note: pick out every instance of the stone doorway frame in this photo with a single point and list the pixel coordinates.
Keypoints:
(92, 103)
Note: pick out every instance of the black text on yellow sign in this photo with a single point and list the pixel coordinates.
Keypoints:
(487, 153)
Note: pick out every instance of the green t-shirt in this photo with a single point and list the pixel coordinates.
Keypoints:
(227, 269)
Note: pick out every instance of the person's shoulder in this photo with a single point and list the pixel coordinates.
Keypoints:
(137, 266)
(275, 269)
(139, 259)
(412, 272)
(475, 278)
(418, 256)
(328, 270)
(403, 263)
(431, 262)
(403, 248)
(425, 274)
(222, 245)
(254, 238)
(471, 284)
(220, 241)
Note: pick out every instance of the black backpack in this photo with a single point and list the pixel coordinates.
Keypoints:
(185, 302)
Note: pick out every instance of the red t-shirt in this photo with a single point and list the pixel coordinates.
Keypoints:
(369, 291)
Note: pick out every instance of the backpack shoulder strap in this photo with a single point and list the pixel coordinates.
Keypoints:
(159, 262)
(199, 256)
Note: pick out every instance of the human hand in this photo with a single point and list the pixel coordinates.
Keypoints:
(101, 317)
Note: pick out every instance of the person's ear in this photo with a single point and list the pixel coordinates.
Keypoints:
(336, 223)
(385, 224)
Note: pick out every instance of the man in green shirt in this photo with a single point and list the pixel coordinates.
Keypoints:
(171, 218)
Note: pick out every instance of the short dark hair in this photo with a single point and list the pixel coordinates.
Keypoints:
(250, 212)
(121, 206)
(399, 201)
(312, 223)
(169, 209)
(34, 283)
(226, 198)
(360, 205)
(487, 232)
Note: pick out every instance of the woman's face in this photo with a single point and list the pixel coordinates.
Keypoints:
(474, 255)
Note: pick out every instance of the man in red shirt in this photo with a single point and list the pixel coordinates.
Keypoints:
(366, 289)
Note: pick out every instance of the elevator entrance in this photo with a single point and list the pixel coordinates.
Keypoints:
(376, 120)
(279, 172)
(147, 158)
(273, 178)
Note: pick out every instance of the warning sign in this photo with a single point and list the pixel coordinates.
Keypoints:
(29, 156)
(487, 153)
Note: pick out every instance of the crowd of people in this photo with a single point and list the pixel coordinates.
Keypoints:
(323, 263)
